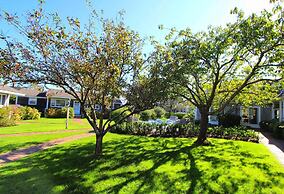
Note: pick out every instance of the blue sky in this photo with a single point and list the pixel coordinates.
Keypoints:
(144, 16)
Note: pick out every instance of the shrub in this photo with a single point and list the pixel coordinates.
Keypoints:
(277, 128)
(64, 112)
(50, 113)
(180, 115)
(160, 112)
(264, 125)
(28, 113)
(16, 111)
(168, 114)
(148, 114)
(7, 117)
(119, 114)
(59, 113)
(273, 125)
(134, 117)
(189, 115)
(185, 130)
(229, 120)
(237, 133)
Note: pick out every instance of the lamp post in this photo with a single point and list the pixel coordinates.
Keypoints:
(67, 114)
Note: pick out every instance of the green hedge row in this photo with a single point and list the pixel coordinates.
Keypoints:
(229, 120)
(185, 130)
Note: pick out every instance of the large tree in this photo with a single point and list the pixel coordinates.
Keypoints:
(214, 68)
(94, 63)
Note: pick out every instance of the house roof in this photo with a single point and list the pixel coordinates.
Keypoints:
(32, 92)
(56, 93)
(10, 90)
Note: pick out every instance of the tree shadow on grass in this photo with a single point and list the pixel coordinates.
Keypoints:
(130, 165)
(12, 147)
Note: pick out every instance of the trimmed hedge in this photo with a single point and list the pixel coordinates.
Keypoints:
(116, 115)
(185, 130)
(59, 112)
(229, 120)
(160, 112)
(148, 114)
(180, 115)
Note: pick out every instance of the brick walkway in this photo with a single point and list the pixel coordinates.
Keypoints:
(21, 153)
(276, 146)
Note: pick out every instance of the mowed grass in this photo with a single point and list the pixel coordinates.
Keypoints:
(8, 144)
(45, 124)
(132, 164)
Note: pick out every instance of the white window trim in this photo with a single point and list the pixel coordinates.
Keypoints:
(6, 99)
(30, 100)
(258, 116)
(281, 110)
(55, 105)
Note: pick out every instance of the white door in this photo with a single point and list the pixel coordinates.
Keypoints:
(77, 107)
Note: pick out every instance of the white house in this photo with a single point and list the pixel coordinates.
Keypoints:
(5, 93)
(278, 108)
(250, 116)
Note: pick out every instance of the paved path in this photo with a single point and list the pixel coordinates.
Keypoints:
(18, 154)
(43, 132)
(276, 146)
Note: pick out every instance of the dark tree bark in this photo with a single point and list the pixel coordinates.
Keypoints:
(203, 127)
(99, 144)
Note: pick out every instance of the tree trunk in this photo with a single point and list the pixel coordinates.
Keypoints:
(99, 144)
(203, 128)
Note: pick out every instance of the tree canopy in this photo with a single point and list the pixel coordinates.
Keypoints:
(95, 63)
(211, 69)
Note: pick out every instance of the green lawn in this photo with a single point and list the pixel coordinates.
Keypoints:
(45, 124)
(146, 165)
(12, 143)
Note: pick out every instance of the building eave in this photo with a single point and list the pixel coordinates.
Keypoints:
(13, 93)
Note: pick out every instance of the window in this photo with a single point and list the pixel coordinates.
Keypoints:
(58, 102)
(249, 115)
(276, 110)
(276, 113)
(2, 99)
(32, 101)
(13, 100)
